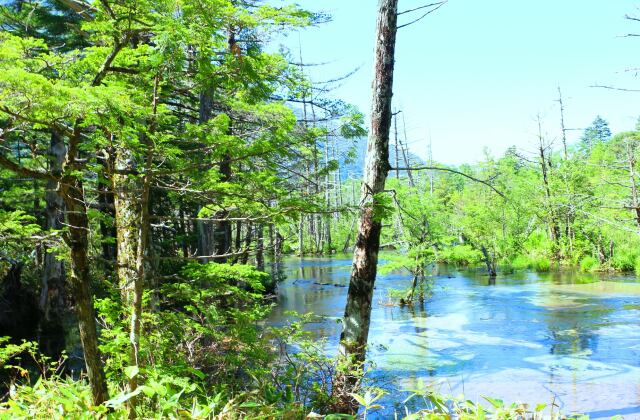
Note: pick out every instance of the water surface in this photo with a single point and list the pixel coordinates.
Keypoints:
(564, 337)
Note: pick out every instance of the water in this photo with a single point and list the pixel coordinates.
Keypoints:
(569, 338)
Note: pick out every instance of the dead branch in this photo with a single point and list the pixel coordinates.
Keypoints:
(438, 168)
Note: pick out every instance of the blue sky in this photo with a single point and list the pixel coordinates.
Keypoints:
(476, 73)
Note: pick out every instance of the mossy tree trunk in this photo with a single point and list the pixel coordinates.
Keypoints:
(77, 238)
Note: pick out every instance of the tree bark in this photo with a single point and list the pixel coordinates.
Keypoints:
(204, 229)
(353, 339)
(491, 268)
(301, 236)
(260, 247)
(222, 228)
(244, 258)
(52, 296)
(71, 189)
(635, 201)
(107, 207)
(126, 188)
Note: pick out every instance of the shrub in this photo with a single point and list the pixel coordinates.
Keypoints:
(521, 262)
(637, 266)
(462, 255)
(589, 263)
(624, 260)
(541, 265)
(506, 267)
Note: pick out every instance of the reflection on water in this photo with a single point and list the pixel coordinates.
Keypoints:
(523, 337)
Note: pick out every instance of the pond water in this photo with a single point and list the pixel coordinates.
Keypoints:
(537, 338)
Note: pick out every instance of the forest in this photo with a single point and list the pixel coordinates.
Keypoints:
(164, 170)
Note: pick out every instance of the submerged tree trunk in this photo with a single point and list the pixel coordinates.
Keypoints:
(80, 282)
(353, 339)
(491, 267)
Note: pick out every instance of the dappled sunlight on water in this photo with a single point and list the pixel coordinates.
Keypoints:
(564, 337)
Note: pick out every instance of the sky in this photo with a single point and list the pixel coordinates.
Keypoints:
(475, 74)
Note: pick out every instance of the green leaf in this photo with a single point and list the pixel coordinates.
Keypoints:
(122, 398)
(198, 373)
(250, 404)
(540, 407)
(359, 398)
(494, 401)
(131, 371)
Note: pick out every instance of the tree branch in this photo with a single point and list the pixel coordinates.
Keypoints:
(439, 5)
(438, 168)
(104, 69)
(421, 7)
(615, 88)
(21, 170)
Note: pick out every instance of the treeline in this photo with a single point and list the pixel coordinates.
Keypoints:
(541, 207)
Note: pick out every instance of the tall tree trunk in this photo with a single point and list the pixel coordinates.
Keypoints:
(405, 152)
(244, 258)
(237, 242)
(554, 229)
(182, 229)
(301, 236)
(564, 130)
(205, 229)
(635, 201)
(52, 296)
(222, 227)
(71, 190)
(271, 251)
(395, 138)
(357, 316)
(107, 208)
(327, 195)
(126, 188)
(260, 247)
(142, 264)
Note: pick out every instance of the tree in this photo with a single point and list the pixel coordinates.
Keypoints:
(357, 316)
(597, 132)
